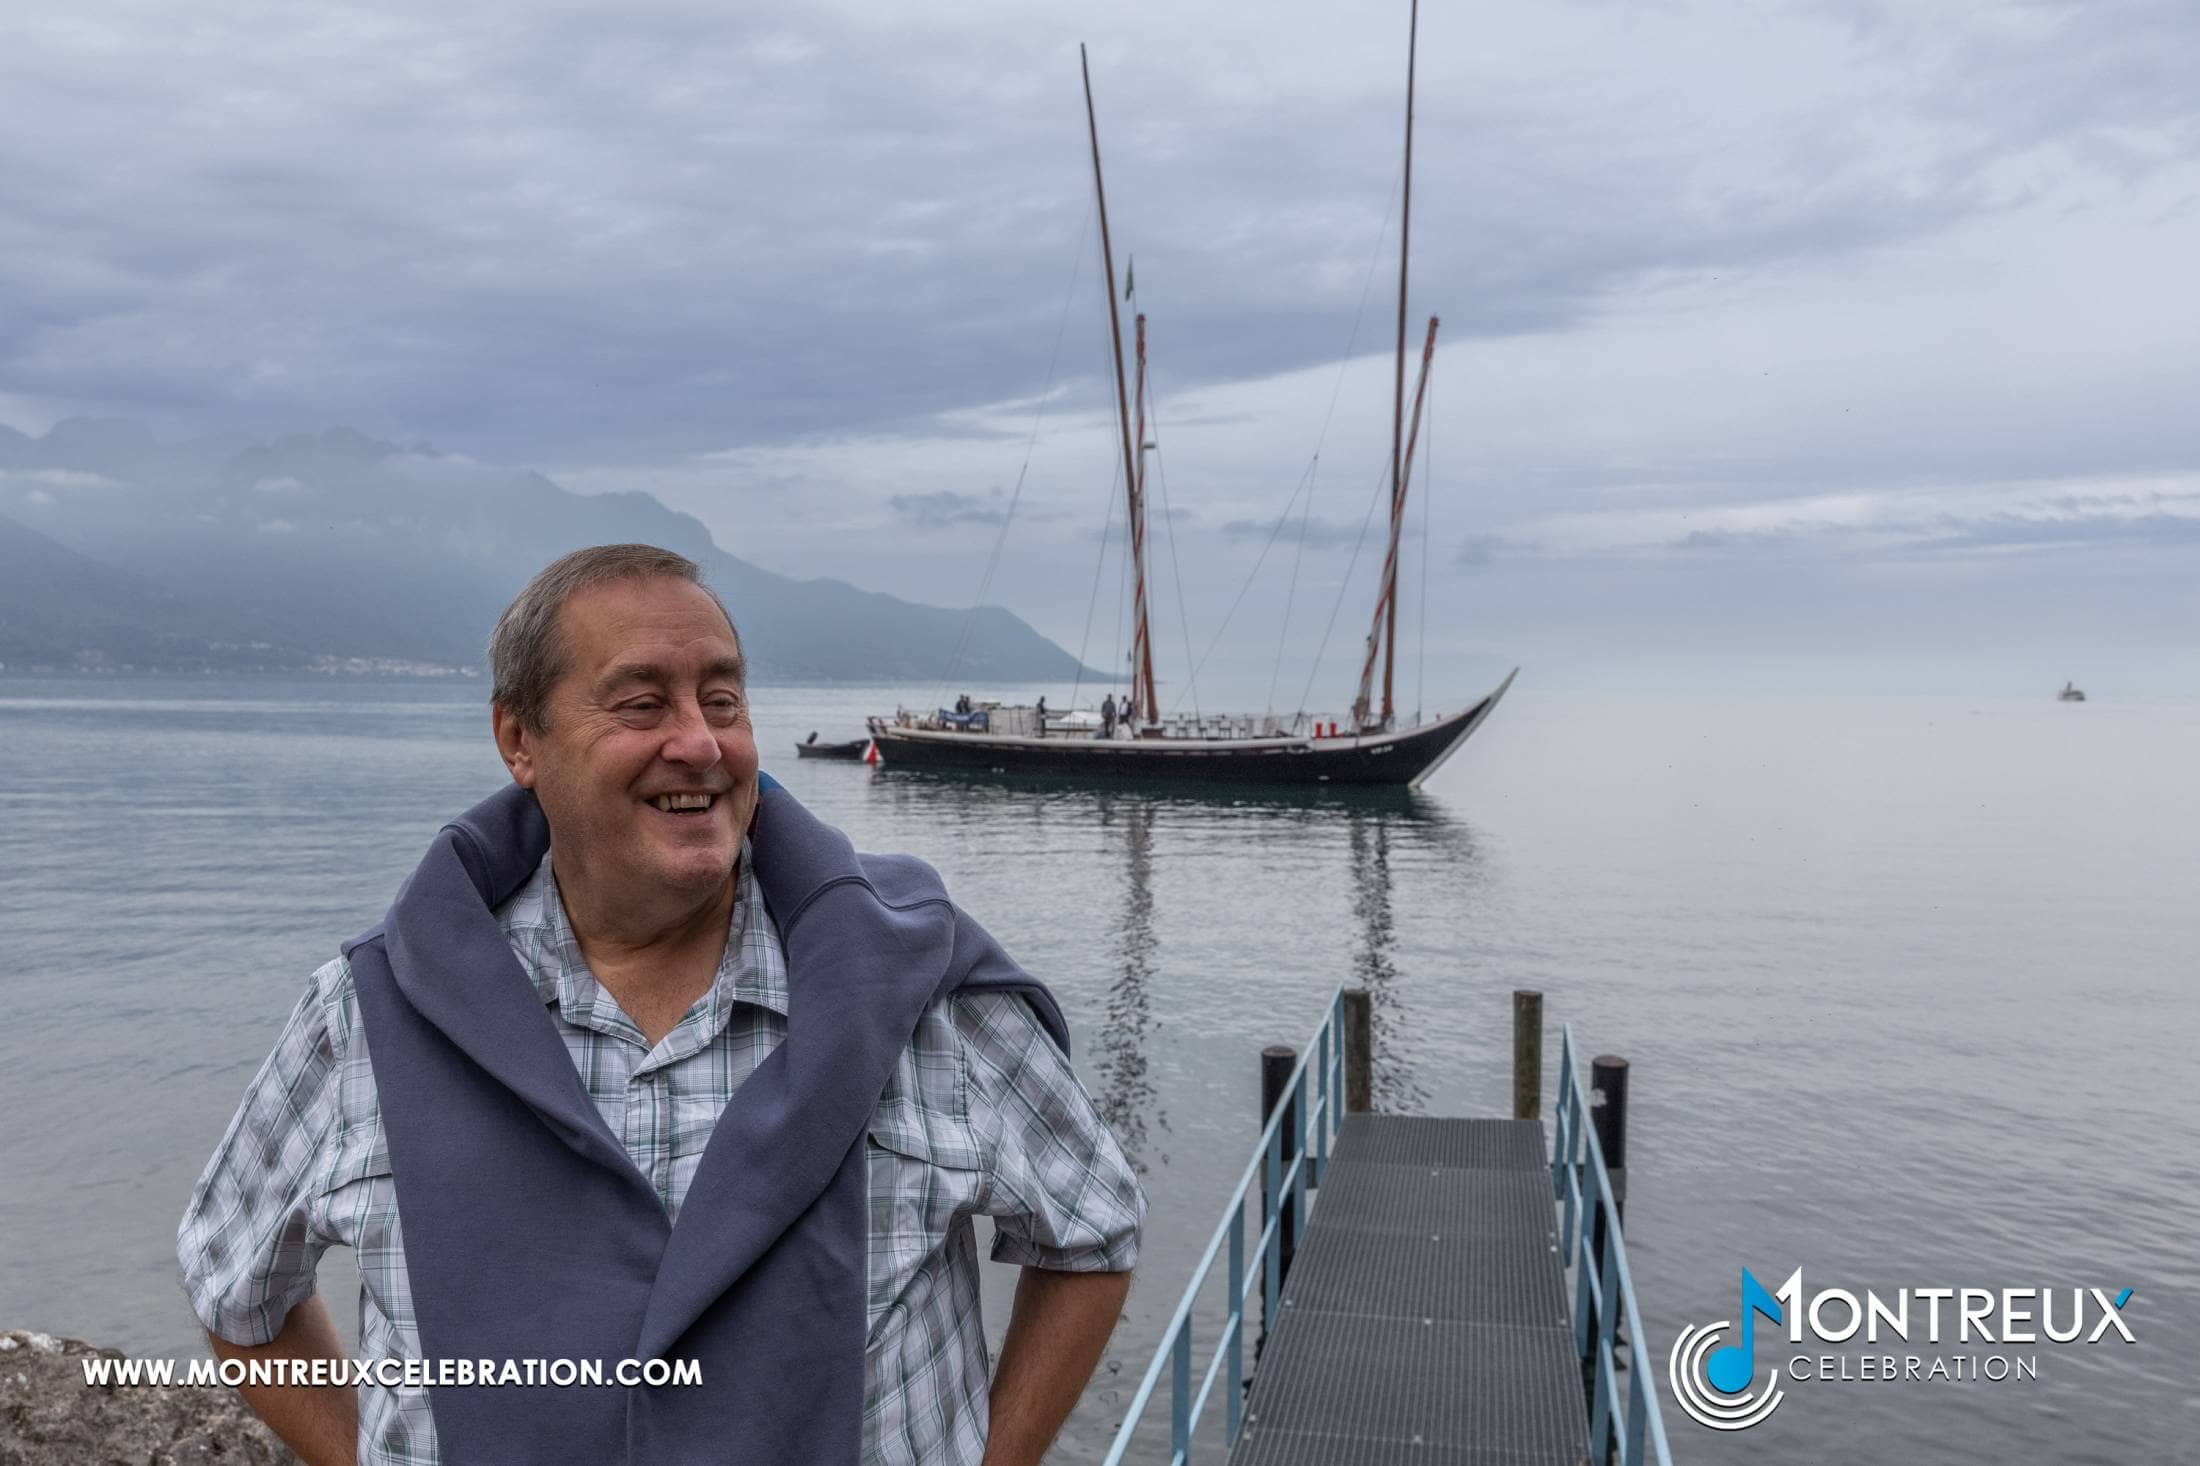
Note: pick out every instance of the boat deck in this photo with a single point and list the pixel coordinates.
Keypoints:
(1424, 1319)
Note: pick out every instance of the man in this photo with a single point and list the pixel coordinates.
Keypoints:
(1107, 716)
(661, 1069)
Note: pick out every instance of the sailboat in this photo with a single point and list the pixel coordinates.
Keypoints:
(1372, 747)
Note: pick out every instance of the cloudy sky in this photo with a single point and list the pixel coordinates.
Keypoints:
(1842, 343)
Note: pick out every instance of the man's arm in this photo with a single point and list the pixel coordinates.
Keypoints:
(250, 1239)
(1067, 1209)
(319, 1422)
(1060, 1323)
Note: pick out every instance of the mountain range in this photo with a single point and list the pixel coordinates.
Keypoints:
(336, 551)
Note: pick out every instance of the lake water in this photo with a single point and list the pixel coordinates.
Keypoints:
(1908, 985)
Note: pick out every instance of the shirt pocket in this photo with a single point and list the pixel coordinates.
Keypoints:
(926, 1176)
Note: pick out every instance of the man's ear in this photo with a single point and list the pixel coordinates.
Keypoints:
(516, 745)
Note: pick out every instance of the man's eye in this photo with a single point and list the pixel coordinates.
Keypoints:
(644, 706)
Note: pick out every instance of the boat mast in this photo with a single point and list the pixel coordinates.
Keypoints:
(1386, 601)
(1142, 698)
(1141, 635)
(1386, 605)
(1397, 457)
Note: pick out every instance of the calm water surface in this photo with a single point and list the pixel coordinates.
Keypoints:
(1908, 985)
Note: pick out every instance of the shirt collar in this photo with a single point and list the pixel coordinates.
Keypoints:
(753, 969)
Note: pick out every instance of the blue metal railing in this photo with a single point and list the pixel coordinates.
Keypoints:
(1604, 1290)
(1315, 1118)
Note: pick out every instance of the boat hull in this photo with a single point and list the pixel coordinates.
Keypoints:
(1399, 759)
(849, 751)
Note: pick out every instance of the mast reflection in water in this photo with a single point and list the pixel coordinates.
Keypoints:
(1126, 1092)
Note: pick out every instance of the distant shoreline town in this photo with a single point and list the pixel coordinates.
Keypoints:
(392, 668)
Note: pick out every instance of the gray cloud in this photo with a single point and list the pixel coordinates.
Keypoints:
(1484, 549)
(946, 508)
(809, 271)
(1317, 532)
(571, 232)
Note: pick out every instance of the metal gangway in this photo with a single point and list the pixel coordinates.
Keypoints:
(1425, 1315)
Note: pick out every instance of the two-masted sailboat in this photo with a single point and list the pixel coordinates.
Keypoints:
(1373, 747)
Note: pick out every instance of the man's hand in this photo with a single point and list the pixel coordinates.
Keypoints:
(319, 1422)
(1060, 1323)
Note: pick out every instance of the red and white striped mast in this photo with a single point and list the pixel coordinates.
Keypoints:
(1144, 704)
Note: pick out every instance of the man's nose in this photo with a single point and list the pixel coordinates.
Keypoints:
(690, 740)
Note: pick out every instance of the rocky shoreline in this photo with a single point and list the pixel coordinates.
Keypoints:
(50, 1417)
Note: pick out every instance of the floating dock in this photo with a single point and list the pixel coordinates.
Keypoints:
(1431, 1292)
(1424, 1317)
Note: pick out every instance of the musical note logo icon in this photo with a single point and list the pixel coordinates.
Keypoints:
(1699, 1361)
(1732, 1368)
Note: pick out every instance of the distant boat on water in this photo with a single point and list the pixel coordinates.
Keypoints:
(850, 750)
(1374, 746)
(2070, 693)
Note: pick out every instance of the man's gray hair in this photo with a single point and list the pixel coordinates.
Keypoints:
(526, 655)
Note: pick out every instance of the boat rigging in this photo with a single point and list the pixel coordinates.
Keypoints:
(1372, 749)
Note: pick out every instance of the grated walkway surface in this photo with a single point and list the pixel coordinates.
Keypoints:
(1424, 1320)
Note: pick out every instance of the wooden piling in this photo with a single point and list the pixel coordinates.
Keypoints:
(1527, 1054)
(1276, 1063)
(1359, 1051)
(1608, 1117)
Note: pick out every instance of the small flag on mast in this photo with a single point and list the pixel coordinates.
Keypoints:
(1130, 272)
(870, 752)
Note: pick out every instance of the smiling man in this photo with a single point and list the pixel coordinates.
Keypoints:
(655, 1067)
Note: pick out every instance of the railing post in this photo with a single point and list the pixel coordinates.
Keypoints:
(1359, 1051)
(1180, 1394)
(1584, 1273)
(1638, 1418)
(1336, 1061)
(1527, 1054)
(1233, 1405)
(1295, 1121)
(1605, 1382)
(1327, 1103)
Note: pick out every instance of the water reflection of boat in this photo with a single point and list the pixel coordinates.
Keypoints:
(1373, 746)
(2070, 693)
(1367, 860)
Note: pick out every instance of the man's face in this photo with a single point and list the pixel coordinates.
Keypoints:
(647, 771)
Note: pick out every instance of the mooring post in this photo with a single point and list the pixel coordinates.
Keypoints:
(1527, 1054)
(1359, 1051)
(1276, 1064)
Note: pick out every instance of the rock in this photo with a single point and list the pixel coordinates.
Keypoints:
(49, 1415)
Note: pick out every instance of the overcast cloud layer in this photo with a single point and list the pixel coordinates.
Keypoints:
(1834, 332)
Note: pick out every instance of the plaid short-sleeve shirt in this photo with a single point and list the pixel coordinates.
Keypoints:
(983, 1116)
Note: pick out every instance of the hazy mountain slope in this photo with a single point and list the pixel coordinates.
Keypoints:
(354, 547)
(60, 608)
